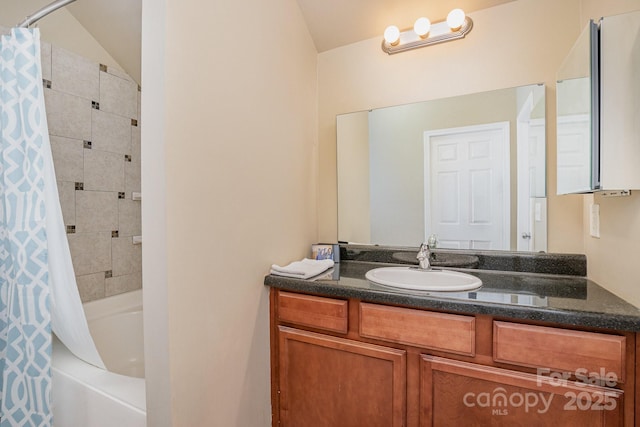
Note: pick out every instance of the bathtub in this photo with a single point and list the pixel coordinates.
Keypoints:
(86, 396)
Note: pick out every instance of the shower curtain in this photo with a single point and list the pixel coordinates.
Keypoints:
(37, 284)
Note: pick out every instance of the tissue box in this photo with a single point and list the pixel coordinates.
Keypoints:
(326, 251)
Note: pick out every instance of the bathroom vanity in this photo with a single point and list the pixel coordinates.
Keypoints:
(525, 349)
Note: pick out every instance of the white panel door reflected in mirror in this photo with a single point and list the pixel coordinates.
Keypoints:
(383, 176)
(467, 200)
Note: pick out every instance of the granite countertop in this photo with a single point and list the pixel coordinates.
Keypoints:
(524, 262)
(561, 299)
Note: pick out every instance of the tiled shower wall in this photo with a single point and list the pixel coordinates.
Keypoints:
(93, 115)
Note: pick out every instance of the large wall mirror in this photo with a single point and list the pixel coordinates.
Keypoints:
(469, 169)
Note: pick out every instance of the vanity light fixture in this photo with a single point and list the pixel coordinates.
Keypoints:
(424, 33)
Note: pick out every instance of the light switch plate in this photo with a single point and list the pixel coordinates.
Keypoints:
(538, 212)
(594, 220)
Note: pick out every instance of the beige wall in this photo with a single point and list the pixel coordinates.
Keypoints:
(517, 43)
(513, 44)
(60, 28)
(613, 258)
(353, 170)
(154, 216)
(235, 177)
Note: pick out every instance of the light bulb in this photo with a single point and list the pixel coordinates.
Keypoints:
(392, 35)
(422, 26)
(455, 19)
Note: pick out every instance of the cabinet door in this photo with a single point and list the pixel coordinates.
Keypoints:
(619, 87)
(456, 393)
(328, 381)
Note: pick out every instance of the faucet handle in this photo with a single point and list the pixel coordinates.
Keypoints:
(432, 242)
(423, 252)
(423, 257)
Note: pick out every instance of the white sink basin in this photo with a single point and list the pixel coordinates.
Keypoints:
(424, 280)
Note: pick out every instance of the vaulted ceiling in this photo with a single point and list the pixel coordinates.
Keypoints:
(334, 23)
(116, 24)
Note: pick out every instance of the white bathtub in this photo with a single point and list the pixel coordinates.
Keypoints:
(86, 396)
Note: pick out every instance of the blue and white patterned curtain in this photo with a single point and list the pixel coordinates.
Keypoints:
(25, 319)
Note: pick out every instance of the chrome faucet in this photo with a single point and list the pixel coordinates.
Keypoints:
(424, 254)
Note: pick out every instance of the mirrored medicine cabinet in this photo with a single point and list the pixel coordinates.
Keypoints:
(598, 100)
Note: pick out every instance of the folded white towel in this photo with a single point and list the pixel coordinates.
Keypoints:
(303, 269)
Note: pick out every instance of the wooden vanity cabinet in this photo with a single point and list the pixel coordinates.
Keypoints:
(322, 379)
(351, 363)
(329, 381)
(460, 393)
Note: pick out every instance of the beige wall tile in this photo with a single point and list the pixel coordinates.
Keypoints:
(103, 171)
(118, 95)
(132, 169)
(74, 74)
(132, 177)
(67, 195)
(45, 59)
(68, 115)
(96, 211)
(129, 220)
(127, 257)
(91, 286)
(75, 83)
(90, 252)
(68, 158)
(110, 132)
(119, 73)
(120, 284)
(135, 144)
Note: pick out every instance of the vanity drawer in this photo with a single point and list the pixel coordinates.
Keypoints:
(437, 331)
(558, 349)
(316, 312)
